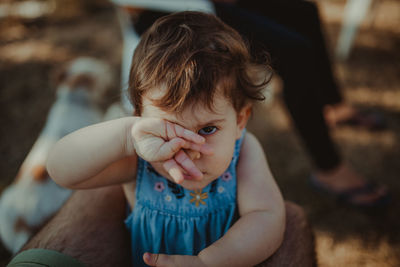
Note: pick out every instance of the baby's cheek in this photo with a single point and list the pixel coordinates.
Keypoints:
(221, 163)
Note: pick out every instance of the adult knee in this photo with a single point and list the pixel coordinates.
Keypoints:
(296, 217)
(297, 248)
(299, 235)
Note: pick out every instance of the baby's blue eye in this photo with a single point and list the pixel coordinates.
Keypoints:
(208, 130)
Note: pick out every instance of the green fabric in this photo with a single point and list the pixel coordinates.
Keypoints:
(43, 257)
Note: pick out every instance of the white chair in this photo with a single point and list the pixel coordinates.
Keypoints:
(354, 13)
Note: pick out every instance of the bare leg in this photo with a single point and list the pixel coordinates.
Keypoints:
(89, 227)
(338, 112)
(344, 178)
(297, 248)
(344, 113)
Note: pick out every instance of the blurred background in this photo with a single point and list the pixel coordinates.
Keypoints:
(37, 37)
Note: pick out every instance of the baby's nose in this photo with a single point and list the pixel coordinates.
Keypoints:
(193, 154)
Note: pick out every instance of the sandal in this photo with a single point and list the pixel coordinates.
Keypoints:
(373, 121)
(347, 196)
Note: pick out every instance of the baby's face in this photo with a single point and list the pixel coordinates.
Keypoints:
(221, 128)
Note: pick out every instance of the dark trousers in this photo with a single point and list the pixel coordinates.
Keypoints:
(290, 31)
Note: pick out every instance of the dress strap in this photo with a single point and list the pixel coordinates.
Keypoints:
(238, 145)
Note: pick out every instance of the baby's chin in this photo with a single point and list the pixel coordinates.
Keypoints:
(191, 184)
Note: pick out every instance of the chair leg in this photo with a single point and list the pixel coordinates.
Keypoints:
(354, 13)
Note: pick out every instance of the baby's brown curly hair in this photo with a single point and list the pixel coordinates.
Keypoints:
(192, 55)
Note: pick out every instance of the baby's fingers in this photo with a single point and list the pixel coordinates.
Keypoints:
(175, 144)
(203, 148)
(181, 167)
(187, 164)
(175, 130)
(174, 170)
(170, 148)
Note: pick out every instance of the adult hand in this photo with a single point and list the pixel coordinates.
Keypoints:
(163, 260)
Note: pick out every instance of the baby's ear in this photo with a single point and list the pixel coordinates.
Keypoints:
(242, 119)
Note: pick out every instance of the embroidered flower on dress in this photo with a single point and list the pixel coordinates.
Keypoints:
(178, 190)
(168, 198)
(226, 176)
(198, 197)
(221, 189)
(159, 186)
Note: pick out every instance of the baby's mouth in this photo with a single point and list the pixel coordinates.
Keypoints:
(187, 176)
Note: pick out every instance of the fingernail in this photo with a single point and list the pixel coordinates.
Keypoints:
(188, 132)
(197, 174)
(200, 139)
(176, 175)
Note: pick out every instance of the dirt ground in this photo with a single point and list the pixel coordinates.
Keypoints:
(31, 49)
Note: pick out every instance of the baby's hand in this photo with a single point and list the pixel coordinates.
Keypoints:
(163, 260)
(158, 140)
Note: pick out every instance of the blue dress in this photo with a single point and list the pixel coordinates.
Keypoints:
(170, 219)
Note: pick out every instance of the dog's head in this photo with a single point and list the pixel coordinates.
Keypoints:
(91, 74)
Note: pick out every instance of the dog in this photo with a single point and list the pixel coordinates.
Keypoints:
(33, 197)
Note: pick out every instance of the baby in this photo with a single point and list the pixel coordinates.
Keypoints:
(198, 185)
